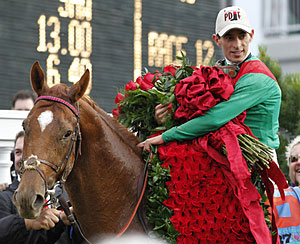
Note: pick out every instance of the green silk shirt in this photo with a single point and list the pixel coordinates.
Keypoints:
(257, 92)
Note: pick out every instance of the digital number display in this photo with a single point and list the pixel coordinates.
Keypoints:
(79, 41)
(115, 40)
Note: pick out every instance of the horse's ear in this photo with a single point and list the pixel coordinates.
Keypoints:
(37, 76)
(79, 88)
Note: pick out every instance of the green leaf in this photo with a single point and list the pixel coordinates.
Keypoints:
(178, 74)
(155, 178)
(158, 227)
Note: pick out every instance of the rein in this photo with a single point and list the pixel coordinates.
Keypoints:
(139, 200)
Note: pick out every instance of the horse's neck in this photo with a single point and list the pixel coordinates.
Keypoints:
(103, 183)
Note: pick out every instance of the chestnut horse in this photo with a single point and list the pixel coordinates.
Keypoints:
(103, 179)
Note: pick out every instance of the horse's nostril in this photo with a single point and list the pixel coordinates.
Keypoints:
(39, 201)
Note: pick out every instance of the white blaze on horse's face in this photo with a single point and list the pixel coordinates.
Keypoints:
(45, 118)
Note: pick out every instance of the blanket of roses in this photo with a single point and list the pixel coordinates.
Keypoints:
(210, 196)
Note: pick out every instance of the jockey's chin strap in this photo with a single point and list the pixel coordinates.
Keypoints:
(63, 171)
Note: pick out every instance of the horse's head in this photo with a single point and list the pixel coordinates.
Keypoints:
(51, 140)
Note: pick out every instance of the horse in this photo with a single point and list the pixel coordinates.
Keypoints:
(69, 138)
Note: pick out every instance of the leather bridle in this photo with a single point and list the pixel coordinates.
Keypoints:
(33, 162)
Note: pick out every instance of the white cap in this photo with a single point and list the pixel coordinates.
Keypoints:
(231, 18)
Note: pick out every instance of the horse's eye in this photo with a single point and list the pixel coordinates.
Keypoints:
(69, 132)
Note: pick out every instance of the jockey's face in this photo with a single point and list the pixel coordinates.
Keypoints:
(294, 163)
(235, 44)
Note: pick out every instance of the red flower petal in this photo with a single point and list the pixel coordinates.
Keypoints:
(131, 86)
(118, 98)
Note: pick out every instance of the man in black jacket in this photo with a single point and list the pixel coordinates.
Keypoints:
(47, 228)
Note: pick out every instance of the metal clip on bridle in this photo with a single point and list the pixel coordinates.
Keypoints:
(58, 201)
(52, 193)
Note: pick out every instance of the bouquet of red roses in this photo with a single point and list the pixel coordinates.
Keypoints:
(135, 104)
(196, 90)
(190, 92)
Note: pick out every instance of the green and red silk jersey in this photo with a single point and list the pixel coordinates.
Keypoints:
(256, 91)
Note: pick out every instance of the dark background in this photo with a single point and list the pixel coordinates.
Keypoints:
(112, 40)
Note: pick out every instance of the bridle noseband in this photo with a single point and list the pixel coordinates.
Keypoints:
(33, 162)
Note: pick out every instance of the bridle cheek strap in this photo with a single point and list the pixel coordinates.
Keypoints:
(67, 165)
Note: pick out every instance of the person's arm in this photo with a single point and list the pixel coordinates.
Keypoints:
(12, 226)
(47, 228)
(52, 235)
(250, 90)
(12, 229)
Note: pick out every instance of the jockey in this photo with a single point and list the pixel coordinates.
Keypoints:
(256, 89)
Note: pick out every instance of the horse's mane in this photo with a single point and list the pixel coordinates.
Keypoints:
(122, 131)
(112, 122)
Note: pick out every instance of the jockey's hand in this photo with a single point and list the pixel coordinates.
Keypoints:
(3, 186)
(157, 140)
(47, 219)
(161, 110)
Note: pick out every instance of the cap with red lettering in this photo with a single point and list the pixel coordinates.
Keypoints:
(231, 18)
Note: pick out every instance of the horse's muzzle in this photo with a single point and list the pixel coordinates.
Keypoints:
(29, 205)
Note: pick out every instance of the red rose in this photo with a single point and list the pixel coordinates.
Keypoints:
(170, 68)
(201, 91)
(115, 112)
(119, 98)
(131, 86)
(151, 78)
(144, 85)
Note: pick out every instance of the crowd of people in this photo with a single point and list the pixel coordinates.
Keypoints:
(256, 92)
